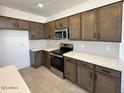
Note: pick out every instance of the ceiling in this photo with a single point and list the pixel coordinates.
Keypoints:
(51, 7)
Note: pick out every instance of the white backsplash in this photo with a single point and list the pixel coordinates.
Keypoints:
(107, 49)
(34, 44)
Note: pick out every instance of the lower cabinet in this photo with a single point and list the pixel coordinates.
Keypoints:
(107, 81)
(70, 69)
(36, 58)
(46, 59)
(93, 78)
(85, 77)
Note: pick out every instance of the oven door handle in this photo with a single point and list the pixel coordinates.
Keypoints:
(56, 55)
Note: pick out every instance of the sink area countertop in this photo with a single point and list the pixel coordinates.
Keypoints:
(11, 81)
(111, 63)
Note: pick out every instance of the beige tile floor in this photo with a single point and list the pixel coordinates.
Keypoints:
(42, 80)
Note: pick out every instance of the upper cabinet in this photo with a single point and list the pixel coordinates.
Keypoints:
(23, 25)
(49, 30)
(52, 29)
(36, 30)
(75, 27)
(100, 24)
(110, 22)
(62, 23)
(7, 23)
(89, 25)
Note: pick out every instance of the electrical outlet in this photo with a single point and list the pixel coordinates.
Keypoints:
(107, 48)
(37, 43)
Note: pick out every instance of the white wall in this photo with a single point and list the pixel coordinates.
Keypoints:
(87, 5)
(14, 48)
(9, 12)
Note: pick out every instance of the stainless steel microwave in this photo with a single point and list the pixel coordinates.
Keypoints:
(61, 34)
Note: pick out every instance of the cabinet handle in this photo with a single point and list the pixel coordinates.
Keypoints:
(105, 71)
(95, 76)
(95, 36)
(98, 35)
(91, 75)
(60, 24)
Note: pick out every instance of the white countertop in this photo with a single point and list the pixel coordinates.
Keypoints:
(111, 63)
(11, 81)
(46, 49)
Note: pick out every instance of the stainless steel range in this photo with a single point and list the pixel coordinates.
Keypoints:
(57, 59)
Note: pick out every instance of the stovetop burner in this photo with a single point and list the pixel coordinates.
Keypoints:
(64, 48)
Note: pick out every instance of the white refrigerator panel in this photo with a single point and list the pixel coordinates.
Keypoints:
(14, 48)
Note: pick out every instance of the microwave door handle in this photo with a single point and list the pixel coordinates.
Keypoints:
(62, 34)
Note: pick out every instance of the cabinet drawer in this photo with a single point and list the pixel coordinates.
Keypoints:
(108, 71)
(69, 59)
(85, 64)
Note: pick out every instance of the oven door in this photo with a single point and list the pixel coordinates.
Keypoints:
(57, 62)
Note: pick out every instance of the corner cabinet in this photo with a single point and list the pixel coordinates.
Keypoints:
(75, 27)
(110, 22)
(49, 30)
(36, 30)
(36, 58)
(70, 69)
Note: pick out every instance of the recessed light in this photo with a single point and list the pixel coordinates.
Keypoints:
(40, 5)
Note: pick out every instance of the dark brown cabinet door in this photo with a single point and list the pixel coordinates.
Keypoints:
(89, 25)
(110, 22)
(70, 69)
(85, 78)
(36, 30)
(46, 59)
(47, 31)
(36, 58)
(52, 29)
(106, 84)
(23, 25)
(62, 23)
(74, 27)
(7, 23)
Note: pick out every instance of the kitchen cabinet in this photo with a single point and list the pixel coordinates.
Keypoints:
(110, 22)
(75, 27)
(107, 81)
(89, 25)
(46, 59)
(36, 30)
(36, 58)
(22, 24)
(62, 23)
(85, 75)
(52, 29)
(49, 30)
(70, 69)
(7, 23)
